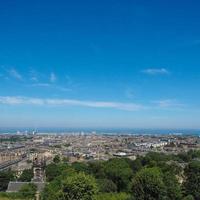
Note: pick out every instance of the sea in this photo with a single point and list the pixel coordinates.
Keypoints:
(109, 131)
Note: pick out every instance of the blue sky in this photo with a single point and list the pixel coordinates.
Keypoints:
(113, 63)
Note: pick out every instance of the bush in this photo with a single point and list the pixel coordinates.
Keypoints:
(28, 191)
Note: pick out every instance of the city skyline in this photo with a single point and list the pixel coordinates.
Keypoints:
(108, 64)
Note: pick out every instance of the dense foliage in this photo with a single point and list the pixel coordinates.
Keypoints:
(192, 182)
(155, 176)
(148, 184)
(79, 187)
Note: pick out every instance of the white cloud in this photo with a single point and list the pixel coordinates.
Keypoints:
(156, 71)
(15, 74)
(53, 77)
(34, 78)
(168, 103)
(18, 100)
(161, 104)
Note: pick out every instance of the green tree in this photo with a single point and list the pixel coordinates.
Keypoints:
(81, 167)
(136, 165)
(194, 153)
(189, 197)
(54, 170)
(119, 171)
(173, 188)
(97, 169)
(192, 183)
(57, 159)
(5, 177)
(68, 171)
(153, 158)
(106, 186)
(28, 191)
(52, 190)
(148, 185)
(185, 157)
(79, 187)
(26, 175)
(175, 168)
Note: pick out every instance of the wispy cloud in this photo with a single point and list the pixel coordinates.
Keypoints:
(156, 71)
(64, 89)
(15, 74)
(168, 103)
(18, 100)
(52, 86)
(33, 75)
(53, 77)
